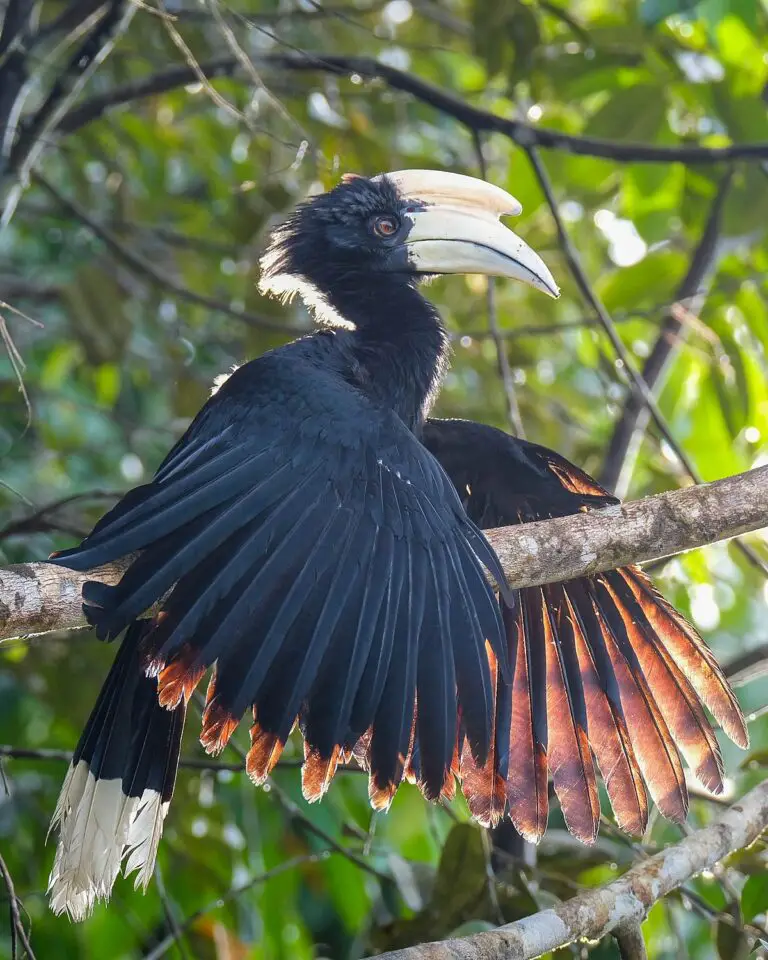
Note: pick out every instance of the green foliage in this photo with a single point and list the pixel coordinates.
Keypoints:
(186, 188)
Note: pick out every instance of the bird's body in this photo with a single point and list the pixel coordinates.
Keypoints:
(305, 544)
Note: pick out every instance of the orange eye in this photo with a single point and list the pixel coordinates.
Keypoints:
(385, 226)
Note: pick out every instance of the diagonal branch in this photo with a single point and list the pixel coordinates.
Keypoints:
(39, 597)
(619, 905)
(17, 926)
(631, 425)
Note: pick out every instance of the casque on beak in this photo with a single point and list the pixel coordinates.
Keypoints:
(455, 228)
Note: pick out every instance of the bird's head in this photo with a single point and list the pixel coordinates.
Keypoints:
(408, 224)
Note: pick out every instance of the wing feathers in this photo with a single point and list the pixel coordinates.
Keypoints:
(682, 710)
(691, 654)
(527, 780)
(608, 736)
(654, 747)
(570, 760)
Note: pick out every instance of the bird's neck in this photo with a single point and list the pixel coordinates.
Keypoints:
(398, 352)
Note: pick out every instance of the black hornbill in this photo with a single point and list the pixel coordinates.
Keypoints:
(315, 539)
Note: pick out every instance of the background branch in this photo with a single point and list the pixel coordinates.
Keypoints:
(474, 118)
(628, 432)
(37, 597)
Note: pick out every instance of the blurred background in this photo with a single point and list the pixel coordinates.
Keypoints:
(147, 150)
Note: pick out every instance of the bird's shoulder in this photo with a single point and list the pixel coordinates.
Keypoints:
(296, 402)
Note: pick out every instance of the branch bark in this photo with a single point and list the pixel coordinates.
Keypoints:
(38, 597)
(617, 906)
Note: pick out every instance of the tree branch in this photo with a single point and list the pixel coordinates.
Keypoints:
(38, 597)
(618, 905)
(475, 118)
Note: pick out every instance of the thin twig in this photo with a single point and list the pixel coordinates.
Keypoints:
(17, 927)
(186, 763)
(505, 371)
(474, 118)
(32, 521)
(176, 932)
(232, 894)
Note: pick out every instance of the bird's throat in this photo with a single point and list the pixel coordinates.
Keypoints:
(398, 351)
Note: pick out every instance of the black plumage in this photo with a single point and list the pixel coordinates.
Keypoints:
(314, 541)
(301, 541)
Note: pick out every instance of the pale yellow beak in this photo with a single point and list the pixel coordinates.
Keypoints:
(455, 228)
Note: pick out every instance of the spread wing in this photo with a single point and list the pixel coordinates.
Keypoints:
(318, 558)
(603, 666)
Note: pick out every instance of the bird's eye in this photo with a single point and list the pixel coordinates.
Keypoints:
(386, 226)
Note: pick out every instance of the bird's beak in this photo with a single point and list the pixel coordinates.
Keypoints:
(455, 228)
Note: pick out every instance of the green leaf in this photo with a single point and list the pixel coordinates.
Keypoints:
(646, 284)
(463, 856)
(635, 113)
(754, 896)
(732, 943)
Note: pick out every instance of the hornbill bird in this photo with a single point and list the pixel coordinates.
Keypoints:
(315, 539)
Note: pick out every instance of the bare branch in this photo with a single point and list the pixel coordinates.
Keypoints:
(162, 82)
(37, 597)
(629, 938)
(186, 763)
(618, 905)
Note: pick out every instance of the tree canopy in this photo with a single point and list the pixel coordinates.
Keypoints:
(146, 150)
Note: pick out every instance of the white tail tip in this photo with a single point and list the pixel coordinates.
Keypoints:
(99, 827)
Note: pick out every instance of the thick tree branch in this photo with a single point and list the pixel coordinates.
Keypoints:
(615, 907)
(37, 597)
(475, 118)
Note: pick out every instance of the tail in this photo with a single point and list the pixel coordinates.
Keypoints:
(605, 670)
(118, 788)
